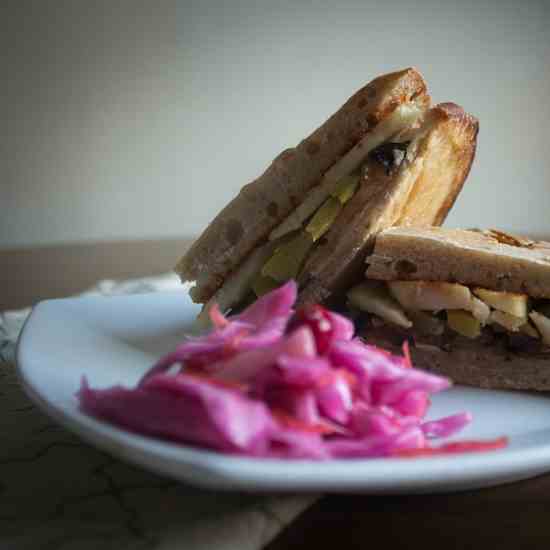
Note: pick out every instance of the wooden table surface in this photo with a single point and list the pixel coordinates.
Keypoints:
(512, 516)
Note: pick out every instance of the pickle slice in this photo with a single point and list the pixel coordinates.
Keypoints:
(263, 284)
(345, 189)
(464, 323)
(508, 302)
(373, 297)
(288, 258)
(323, 218)
(431, 296)
(509, 322)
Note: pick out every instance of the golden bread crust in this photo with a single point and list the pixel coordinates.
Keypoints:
(490, 259)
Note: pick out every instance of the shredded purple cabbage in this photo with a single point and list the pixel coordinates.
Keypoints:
(257, 384)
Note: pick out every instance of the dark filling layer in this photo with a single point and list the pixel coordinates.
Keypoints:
(390, 155)
(512, 342)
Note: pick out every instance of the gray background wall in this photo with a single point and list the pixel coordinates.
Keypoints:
(141, 119)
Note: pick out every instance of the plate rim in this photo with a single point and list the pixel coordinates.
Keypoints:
(260, 474)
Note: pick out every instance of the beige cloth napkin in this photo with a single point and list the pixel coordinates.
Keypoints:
(58, 492)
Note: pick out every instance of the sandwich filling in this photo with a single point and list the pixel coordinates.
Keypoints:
(433, 313)
(382, 153)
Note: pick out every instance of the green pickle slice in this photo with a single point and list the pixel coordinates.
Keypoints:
(288, 258)
(324, 218)
(464, 323)
(345, 188)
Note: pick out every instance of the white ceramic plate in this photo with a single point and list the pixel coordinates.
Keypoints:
(114, 340)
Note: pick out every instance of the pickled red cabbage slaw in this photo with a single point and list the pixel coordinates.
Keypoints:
(272, 382)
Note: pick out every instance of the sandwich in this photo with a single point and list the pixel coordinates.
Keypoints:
(386, 157)
(474, 305)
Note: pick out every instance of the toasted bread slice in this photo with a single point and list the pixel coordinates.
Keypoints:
(494, 264)
(264, 203)
(421, 194)
(488, 259)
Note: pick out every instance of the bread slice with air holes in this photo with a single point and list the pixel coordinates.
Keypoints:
(504, 342)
